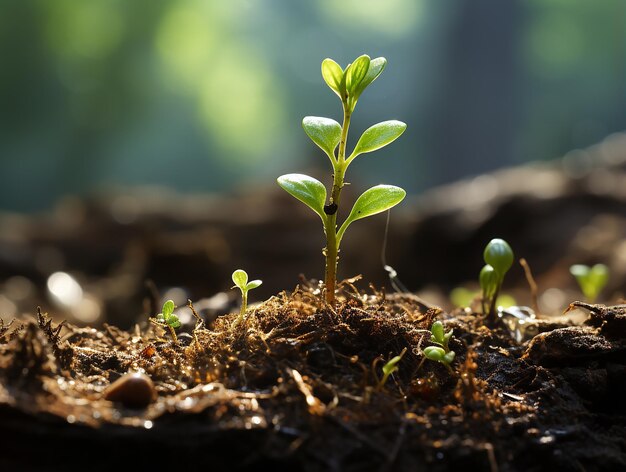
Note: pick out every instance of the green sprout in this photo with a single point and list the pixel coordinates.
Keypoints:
(499, 258)
(240, 279)
(330, 136)
(590, 279)
(390, 367)
(167, 319)
(442, 352)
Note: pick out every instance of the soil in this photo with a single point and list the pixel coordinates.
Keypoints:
(296, 386)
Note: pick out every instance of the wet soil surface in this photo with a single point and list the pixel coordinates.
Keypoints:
(297, 386)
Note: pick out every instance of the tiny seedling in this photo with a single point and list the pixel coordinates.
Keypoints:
(442, 352)
(590, 279)
(167, 319)
(390, 367)
(240, 279)
(498, 257)
(439, 336)
(332, 138)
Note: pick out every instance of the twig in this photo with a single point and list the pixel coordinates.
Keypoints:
(532, 284)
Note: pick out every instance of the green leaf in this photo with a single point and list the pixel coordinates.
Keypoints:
(324, 132)
(356, 72)
(333, 76)
(449, 357)
(590, 279)
(168, 308)
(378, 136)
(372, 201)
(376, 67)
(308, 190)
(173, 321)
(437, 331)
(489, 281)
(391, 366)
(434, 353)
(499, 255)
(240, 278)
(253, 284)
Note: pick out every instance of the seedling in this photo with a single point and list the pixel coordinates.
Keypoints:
(390, 367)
(167, 319)
(439, 336)
(590, 279)
(442, 352)
(498, 257)
(240, 279)
(332, 137)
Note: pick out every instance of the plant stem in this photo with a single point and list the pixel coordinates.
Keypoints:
(244, 305)
(331, 252)
(173, 333)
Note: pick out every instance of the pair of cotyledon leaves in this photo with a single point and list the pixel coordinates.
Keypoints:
(240, 279)
(167, 315)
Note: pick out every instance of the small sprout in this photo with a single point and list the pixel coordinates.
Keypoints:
(436, 353)
(498, 257)
(240, 279)
(167, 319)
(390, 367)
(442, 352)
(590, 279)
(438, 336)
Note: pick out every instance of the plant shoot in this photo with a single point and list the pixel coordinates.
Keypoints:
(498, 257)
(167, 319)
(240, 279)
(331, 137)
(590, 279)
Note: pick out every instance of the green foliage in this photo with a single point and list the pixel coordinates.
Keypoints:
(331, 137)
(308, 190)
(390, 367)
(167, 315)
(240, 279)
(590, 279)
(499, 258)
(371, 202)
(167, 319)
(441, 352)
(438, 354)
(499, 255)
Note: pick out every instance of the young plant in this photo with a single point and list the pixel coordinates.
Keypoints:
(590, 279)
(167, 319)
(240, 279)
(498, 257)
(390, 367)
(332, 138)
(442, 352)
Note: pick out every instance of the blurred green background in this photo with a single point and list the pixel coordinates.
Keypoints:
(208, 96)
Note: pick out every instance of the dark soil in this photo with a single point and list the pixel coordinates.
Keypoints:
(296, 387)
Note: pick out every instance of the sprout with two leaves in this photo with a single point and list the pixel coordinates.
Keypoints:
(590, 279)
(240, 279)
(441, 352)
(332, 137)
(167, 319)
(499, 258)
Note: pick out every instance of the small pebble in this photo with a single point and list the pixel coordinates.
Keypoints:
(133, 390)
